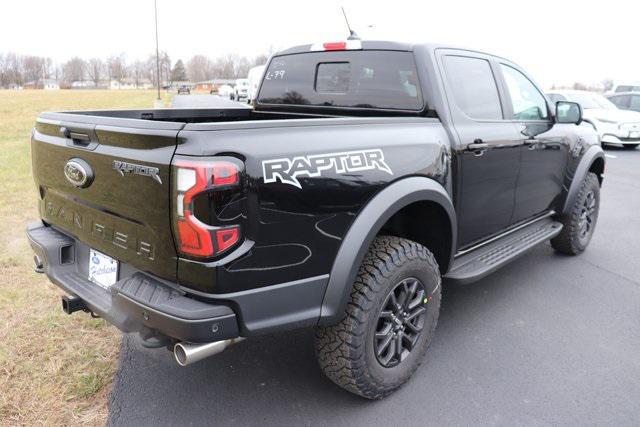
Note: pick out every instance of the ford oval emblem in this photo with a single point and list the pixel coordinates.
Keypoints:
(78, 172)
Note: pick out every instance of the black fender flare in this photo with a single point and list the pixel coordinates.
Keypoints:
(365, 228)
(588, 158)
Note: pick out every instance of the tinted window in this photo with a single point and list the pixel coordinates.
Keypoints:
(634, 104)
(554, 97)
(527, 101)
(624, 88)
(333, 77)
(362, 79)
(473, 86)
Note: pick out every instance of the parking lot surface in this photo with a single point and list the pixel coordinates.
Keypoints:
(549, 339)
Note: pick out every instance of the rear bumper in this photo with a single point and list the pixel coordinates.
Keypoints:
(136, 303)
(140, 302)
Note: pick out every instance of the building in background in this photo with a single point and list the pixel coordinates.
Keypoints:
(213, 85)
(46, 84)
(130, 84)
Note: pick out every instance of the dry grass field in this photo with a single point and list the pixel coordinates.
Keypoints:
(55, 369)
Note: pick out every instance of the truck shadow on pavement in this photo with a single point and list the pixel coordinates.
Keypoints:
(498, 356)
(270, 379)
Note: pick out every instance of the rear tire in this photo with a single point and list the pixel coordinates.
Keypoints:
(579, 224)
(389, 321)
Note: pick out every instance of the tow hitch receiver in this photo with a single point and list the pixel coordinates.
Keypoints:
(71, 304)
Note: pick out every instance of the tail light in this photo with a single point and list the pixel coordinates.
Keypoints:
(192, 179)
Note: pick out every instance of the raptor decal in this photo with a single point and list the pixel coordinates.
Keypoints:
(287, 170)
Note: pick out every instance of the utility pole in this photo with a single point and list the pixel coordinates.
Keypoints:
(155, 7)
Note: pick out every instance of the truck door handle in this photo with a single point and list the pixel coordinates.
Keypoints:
(477, 145)
(532, 144)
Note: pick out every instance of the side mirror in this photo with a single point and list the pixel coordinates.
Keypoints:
(568, 112)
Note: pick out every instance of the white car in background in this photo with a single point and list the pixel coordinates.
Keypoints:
(226, 91)
(614, 126)
(254, 77)
(242, 89)
(632, 87)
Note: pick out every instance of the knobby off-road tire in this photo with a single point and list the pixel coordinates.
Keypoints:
(580, 222)
(353, 353)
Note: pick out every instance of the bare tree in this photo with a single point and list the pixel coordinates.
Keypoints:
(18, 69)
(242, 66)
(607, 84)
(260, 60)
(14, 68)
(3, 71)
(74, 70)
(165, 68)
(95, 70)
(137, 71)
(199, 68)
(33, 68)
(117, 67)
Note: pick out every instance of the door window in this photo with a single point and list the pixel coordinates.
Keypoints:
(474, 88)
(527, 101)
(634, 104)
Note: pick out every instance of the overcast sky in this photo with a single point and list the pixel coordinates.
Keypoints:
(557, 41)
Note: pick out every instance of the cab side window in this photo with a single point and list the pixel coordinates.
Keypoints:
(527, 101)
(474, 88)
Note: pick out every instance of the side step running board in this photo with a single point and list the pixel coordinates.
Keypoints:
(479, 263)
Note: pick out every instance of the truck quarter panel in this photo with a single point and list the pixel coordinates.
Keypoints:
(304, 188)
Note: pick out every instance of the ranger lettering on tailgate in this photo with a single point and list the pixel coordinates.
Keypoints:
(75, 219)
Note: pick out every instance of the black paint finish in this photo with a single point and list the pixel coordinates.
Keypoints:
(487, 175)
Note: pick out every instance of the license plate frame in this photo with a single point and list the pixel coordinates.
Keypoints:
(103, 270)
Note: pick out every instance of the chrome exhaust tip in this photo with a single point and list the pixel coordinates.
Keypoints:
(38, 265)
(188, 353)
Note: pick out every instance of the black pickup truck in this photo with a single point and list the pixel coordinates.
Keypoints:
(365, 174)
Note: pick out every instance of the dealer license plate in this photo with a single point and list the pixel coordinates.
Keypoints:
(103, 270)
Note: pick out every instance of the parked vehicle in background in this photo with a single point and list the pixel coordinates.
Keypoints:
(634, 87)
(241, 89)
(614, 126)
(184, 90)
(365, 173)
(225, 91)
(254, 77)
(626, 100)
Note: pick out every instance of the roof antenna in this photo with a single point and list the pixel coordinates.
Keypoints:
(352, 34)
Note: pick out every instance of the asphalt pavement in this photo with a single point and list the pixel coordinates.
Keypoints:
(547, 340)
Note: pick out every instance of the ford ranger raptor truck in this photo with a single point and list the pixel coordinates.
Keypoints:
(366, 173)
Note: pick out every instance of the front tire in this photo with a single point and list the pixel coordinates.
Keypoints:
(390, 320)
(579, 224)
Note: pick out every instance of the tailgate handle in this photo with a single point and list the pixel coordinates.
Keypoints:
(80, 136)
(76, 136)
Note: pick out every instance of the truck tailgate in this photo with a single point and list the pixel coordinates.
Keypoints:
(123, 210)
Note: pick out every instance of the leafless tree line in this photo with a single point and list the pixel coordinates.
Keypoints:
(18, 69)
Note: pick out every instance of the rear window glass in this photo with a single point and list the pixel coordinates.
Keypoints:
(356, 79)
